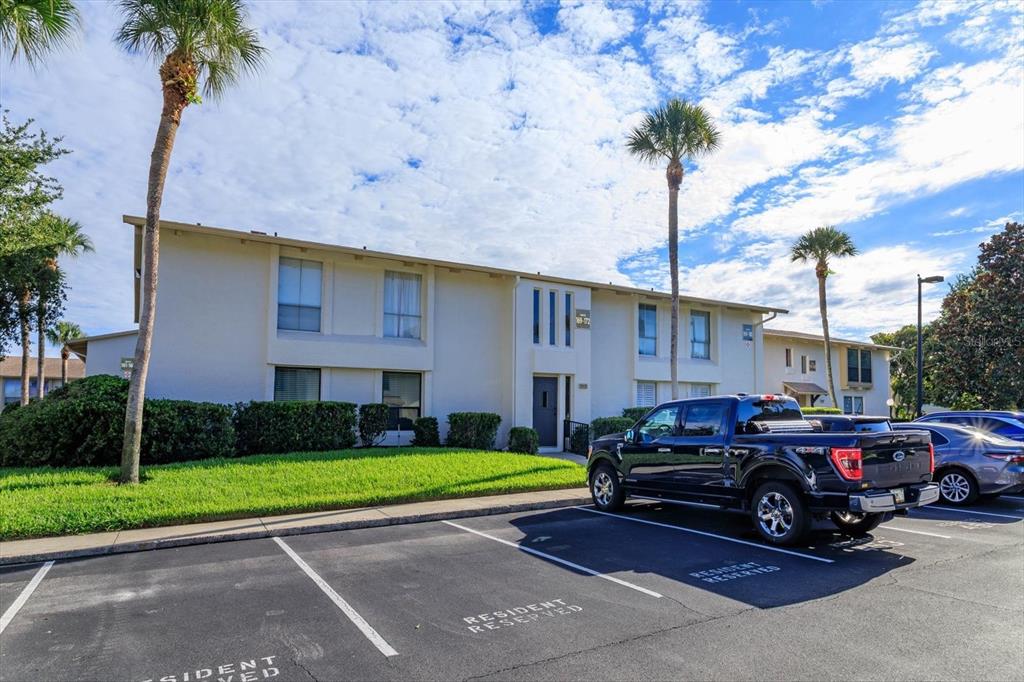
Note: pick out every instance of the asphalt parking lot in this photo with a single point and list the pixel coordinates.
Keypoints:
(657, 592)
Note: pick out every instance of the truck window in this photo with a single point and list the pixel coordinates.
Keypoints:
(752, 411)
(659, 424)
(704, 419)
(872, 427)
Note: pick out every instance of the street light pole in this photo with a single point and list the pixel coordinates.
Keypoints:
(920, 346)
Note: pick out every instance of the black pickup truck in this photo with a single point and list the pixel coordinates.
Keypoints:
(758, 453)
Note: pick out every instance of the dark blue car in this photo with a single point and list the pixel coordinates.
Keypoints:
(1005, 423)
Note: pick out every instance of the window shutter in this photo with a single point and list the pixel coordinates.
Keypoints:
(646, 394)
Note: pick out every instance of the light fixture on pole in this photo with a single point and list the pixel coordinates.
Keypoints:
(935, 279)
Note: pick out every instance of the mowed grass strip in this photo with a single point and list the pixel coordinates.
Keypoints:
(46, 502)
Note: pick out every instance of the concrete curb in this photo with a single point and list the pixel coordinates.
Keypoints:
(572, 498)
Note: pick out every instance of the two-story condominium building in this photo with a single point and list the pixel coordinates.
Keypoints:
(795, 365)
(253, 316)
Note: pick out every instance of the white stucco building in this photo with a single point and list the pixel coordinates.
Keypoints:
(795, 365)
(253, 316)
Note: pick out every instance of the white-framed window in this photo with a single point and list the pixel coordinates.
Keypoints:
(700, 390)
(700, 334)
(536, 316)
(648, 331)
(401, 392)
(552, 304)
(299, 283)
(402, 316)
(853, 404)
(296, 383)
(568, 315)
(646, 394)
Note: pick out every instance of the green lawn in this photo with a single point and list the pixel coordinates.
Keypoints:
(42, 502)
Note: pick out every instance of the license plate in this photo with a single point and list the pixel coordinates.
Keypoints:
(900, 495)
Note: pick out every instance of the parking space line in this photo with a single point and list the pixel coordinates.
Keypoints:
(932, 507)
(13, 609)
(347, 609)
(916, 532)
(710, 535)
(550, 557)
(1012, 497)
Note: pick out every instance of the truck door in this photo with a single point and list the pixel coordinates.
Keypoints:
(700, 449)
(650, 459)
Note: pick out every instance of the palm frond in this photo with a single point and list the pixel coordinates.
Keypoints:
(822, 243)
(676, 131)
(32, 28)
(62, 332)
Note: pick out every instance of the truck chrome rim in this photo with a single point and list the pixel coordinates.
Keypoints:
(775, 514)
(955, 487)
(603, 488)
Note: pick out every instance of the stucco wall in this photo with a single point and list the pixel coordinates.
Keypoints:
(104, 355)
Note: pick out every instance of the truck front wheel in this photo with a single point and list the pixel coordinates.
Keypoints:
(856, 524)
(779, 513)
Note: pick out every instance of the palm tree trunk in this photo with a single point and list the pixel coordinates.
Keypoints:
(40, 349)
(823, 307)
(65, 354)
(673, 266)
(170, 118)
(23, 313)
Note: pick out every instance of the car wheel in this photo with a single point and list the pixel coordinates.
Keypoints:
(958, 487)
(779, 513)
(605, 488)
(856, 524)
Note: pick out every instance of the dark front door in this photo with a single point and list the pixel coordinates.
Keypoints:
(545, 409)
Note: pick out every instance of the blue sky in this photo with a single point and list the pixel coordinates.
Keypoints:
(493, 133)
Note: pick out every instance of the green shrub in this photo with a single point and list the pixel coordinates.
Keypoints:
(425, 433)
(373, 423)
(635, 413)
(475, 430)
(523, 439)
(604, 425)
(10, 407)
(82, 424)
(579, 440)
(821, 410)
(266, 427)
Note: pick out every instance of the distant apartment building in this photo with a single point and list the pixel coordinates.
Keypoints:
(795, 365)
(253, 316)
(10, 375)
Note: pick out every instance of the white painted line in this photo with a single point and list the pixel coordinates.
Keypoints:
(710, 535)
(352, 614)
(916, 532)
(1012, 497)
(13, 609)
(549, 557)
(931, 507)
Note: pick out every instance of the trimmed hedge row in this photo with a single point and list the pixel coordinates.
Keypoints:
(476, 430)
(602, 426)
(267, 427)
(523, 439)
(821, 410)
(425, 433)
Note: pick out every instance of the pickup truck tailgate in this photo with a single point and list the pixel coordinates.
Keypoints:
(896, 458)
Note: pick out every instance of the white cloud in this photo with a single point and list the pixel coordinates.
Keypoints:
(592, 25)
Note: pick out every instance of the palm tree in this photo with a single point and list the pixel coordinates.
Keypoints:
(817, 246)
(31, 28)
(677, 132)
(194, 41)
(60, 335)
(64, 238)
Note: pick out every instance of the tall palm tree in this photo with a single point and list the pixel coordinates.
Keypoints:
(818, 246)
(31, 28)
(60, 335)
(674, 133)
(195, 42)
(64, 238)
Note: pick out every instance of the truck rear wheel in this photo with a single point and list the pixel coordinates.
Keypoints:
(779, 513)
(856, 524)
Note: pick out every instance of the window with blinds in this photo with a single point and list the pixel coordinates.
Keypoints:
(646, 394)
(402, 315)
(296, 383)
(299, 283)
(700, 390)
(401, 393)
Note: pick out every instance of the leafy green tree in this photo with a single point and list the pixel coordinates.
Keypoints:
(33, 28)
(199, 44)
(60, 335)
(978, 333)
(903, 366)
(818, 246)
(677, 132)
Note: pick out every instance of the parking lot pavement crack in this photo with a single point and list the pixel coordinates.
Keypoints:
(305, 670)
(954, 598)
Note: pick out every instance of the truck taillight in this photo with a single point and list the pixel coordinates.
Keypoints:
(849, 462)
(931, 458)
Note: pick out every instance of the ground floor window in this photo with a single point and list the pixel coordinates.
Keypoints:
(853, 404)
(12, 388)
(296, 383)
(402, 395)
(700, 390)
(646, 394)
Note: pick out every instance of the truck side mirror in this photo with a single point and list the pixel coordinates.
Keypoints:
(630, 436)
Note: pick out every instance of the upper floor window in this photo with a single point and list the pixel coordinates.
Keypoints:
(551, 317)
(803, 364)
(858, 365)
(402, 305)
(700, 335)
(568, 319)
(296, 383)
(648, 339)
(299, 283)
(536, 315)
(789, 357)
